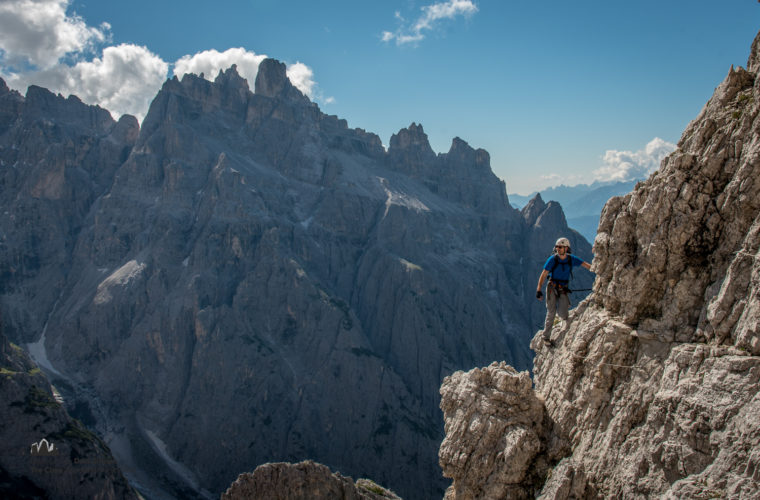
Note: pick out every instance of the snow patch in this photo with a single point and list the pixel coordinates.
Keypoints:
(120, 277)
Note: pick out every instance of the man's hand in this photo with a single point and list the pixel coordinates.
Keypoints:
(539, 294)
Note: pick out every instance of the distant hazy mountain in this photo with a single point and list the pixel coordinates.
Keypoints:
(582, 204)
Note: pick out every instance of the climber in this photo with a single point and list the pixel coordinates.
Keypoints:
(559, 269)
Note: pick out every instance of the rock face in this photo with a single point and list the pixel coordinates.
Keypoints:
(57, 156)
(654, 390)
(303, 481)
(44, 453)
(495, 428)
(244, 279)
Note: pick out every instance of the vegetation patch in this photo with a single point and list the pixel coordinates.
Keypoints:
(37, 400)
(371, 486)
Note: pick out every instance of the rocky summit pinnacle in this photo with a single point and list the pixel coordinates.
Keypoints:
(272, 81)
(462, 153)
(652, 390)
(412, 138)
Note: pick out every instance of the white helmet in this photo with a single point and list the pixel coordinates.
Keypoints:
(563, 242)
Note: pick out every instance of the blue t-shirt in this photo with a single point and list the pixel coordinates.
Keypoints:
(561, 273)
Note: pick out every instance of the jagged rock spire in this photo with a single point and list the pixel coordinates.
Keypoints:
(412, 138)
(533, 209)
(272, 81)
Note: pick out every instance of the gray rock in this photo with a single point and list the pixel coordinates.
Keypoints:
(57, 156)
(302, 481)
(495, 430)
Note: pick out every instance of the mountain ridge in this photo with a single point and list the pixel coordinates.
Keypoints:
(245, 268)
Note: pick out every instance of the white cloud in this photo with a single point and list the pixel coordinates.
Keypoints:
(39, 33)
(302, 77)
(431, 16)
(628, 165)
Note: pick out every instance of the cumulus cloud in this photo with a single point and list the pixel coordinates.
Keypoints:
(302, 77)
(628, 165)
(428, 20)
(39, 33)
(42, 44)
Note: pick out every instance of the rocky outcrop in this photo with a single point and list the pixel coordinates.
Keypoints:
(498, 438)
(249, 280)
(654, 387)
(303, 481)
(44, 452)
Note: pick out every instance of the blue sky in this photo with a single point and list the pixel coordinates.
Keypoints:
(555, 91)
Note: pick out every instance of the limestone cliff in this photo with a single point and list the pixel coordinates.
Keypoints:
(654, 388)
(303, 481)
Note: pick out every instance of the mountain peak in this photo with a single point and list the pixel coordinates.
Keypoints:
(411, 138)
(462, 153)
(272, 81)
(231, 78)
(533, 209)
(459, 145)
